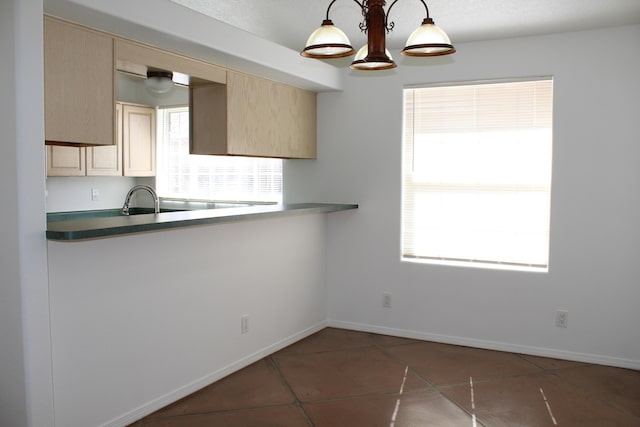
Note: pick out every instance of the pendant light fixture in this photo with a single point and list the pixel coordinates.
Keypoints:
(328, 41)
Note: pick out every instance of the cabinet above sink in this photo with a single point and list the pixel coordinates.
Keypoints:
(250, 116)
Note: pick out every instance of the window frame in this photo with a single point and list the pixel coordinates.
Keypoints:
(407, 167)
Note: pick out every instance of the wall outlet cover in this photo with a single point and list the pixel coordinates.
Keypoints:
(244, 324)
(386, 300)
(562, 318)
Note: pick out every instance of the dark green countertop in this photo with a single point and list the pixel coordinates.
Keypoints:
(98, 226)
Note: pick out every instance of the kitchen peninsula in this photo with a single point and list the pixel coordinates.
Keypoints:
(81, 229)
(142, 319)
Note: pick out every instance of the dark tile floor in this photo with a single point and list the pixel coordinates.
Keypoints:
(344, 378)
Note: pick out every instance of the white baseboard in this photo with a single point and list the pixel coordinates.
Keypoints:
(194, 386)
(491, 345)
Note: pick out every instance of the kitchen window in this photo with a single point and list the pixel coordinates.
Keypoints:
(476, 185)
(181, 175)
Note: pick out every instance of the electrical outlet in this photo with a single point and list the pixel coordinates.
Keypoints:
(95, 194)
(386, 300)
(562, 318)
(244, 323)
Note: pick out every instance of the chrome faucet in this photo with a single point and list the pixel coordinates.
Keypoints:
(127, 200)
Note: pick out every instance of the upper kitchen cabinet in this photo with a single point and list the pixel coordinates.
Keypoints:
(78, 82)
(251, 116)
(270, 119)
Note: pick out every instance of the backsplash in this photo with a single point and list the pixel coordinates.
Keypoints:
(75, 193)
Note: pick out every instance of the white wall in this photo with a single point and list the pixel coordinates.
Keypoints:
(595, 226)
(12, 380)
(25, 364)
(140, 321)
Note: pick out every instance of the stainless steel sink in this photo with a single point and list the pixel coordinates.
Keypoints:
(165, 206)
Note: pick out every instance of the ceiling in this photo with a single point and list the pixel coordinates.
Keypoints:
(290, 22)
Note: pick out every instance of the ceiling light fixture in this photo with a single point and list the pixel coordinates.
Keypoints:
(159, 81)
(329, 41)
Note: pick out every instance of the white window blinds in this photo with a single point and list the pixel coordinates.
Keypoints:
(477, 174)
(185, 176)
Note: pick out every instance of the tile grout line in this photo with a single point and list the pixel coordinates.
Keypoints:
(298, 403)
(214, 412)
(585, 392)
(433, 386)
(402, 362)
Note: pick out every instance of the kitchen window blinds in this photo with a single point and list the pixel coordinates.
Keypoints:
(186, 176)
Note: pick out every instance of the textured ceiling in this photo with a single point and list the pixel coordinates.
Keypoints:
(289, 22)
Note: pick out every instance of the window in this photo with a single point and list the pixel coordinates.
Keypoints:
(477, 174)
(184, 176)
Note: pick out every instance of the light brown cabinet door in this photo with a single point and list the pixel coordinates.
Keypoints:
(65, 161)
(139, 140)
(107, 160)
(78, 81)
(270, 119)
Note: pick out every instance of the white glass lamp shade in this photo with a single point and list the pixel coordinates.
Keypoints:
(159, 81)
(360, 62)
(327, 41)
(428, 40)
